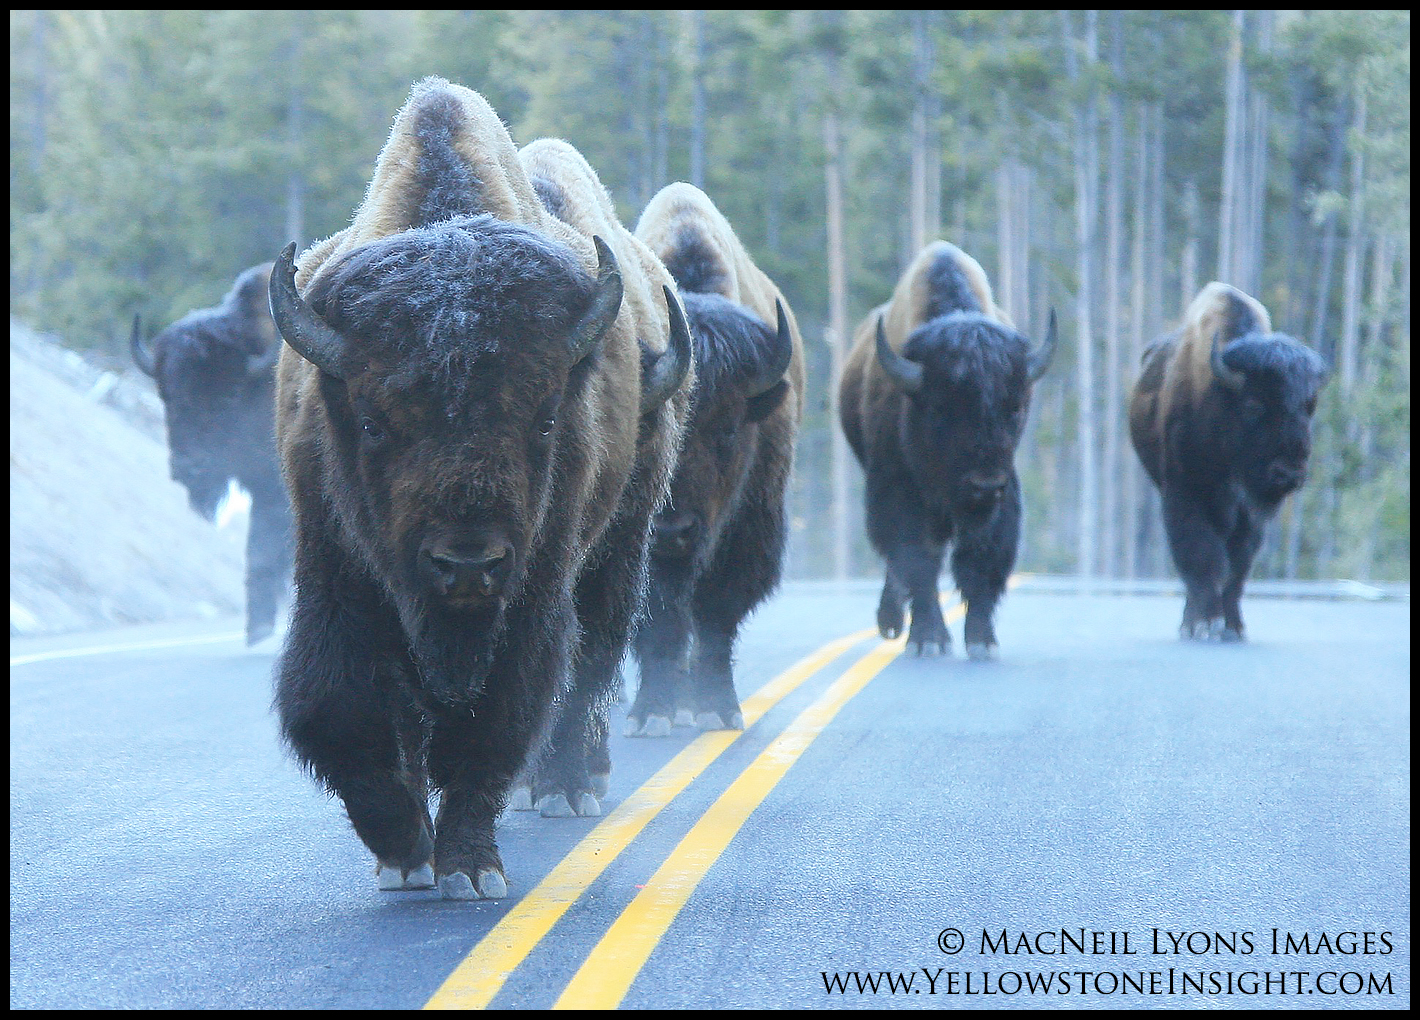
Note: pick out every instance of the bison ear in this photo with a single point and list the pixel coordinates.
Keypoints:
(762, 405)
(905, 373)
(662, 373)
(311, 336)
(1231, 378)
(781, 352)
(606, 303)
(142, 354)
(1039, 359)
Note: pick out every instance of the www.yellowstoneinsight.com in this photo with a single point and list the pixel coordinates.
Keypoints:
(1150, 962)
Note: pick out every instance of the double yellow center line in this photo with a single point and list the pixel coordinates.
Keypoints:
(605, 977)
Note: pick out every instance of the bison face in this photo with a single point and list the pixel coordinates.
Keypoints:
(455, 362)
(217, 401)
(1268, 385)
(740, 366)
(967, 384)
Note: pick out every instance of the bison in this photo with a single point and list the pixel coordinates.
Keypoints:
(933, 401)
(215, 370)
(479, 411)
(719, 543)
(1221, 419)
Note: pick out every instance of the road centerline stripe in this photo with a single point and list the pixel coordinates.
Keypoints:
(483, 972)
(606, 975)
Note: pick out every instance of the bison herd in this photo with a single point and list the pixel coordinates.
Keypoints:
(521, 441)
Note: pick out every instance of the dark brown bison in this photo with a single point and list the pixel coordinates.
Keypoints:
(1221, 419)
(719, 541)
(216, 372)
(933, 400)
(478, 415)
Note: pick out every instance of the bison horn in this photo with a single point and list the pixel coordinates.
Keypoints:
(662, 373)
(905, 373)
(1039, 359)
(312, 337)
(769, 375)
(606, 303)
(1229, 377)
(142, 355)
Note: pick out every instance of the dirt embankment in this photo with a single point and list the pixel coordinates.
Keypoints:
(99, 534)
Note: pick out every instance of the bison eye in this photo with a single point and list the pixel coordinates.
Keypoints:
(545, 427)
(374, 432)
(1310, 407)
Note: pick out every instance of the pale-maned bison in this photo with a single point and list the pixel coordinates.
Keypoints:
(216, 372)
(478, 416)
(719, 542)
(933, 401)
(1221, 419)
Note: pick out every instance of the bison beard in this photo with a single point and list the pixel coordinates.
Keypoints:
(453, 650)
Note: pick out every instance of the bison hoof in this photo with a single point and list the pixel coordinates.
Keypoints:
(706, 721)
(1230, 635)
(392, 879)
(588, 806)
(491, 885)
(927, 649)
(1203, 630)
(601, 783)
(684, 717)
(982, 652)
(654, 726)
(520, 799)
(554, 805)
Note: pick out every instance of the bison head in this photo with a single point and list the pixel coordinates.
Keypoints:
(967, 381)
(740, 365)
(1267, 385)
(214, 374)
(457, 374)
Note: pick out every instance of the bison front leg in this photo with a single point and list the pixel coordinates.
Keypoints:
(662, 649)
(900, 530)
(1243, 544)
(268, 562)
(476, 753)
(1202, 560)
(337, 695)
(982, 558)
(575, 770)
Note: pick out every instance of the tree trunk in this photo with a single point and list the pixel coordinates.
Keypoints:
(1114, 201)
(1188, 271)
(1086, 213)
(837, 333)
(1133, 476)
(921, 82)
(295, 131)
(1232, 133)
(697, 100)
(1349, 353)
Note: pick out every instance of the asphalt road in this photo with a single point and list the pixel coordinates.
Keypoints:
(1139, 821)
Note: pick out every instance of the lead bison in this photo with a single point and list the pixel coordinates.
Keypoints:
(1221, 419)
(215, 370)
(719, 542)
(478, 415)
(933, 401)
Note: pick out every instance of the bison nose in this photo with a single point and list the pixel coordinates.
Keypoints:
(676, 532)
(1282, 475)
(480, 569)
(988, 485)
